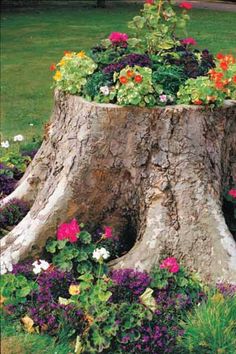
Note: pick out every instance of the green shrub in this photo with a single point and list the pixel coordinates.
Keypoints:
(211, 327)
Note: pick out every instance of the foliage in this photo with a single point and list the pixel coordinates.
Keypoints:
(94, 88)
(16, 160)
(7, 180)
(72, 71)
(132, 59)
(211, 327)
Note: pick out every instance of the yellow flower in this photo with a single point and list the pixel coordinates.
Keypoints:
(57, 76)
(62, 62)
(74, 289)
(81, 54)
(28, 324)
(217, 297)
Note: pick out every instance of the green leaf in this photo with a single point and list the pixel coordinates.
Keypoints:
(24, 291)
(51, 246)
(84, 267)
(85, 237)
(104, 296)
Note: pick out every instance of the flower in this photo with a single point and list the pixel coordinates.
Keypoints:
(234, 79)
(198, 102)
(5, 144)
(18, 137)
(163, 98)
(53, 67)
(185, 5)
(67, 53)
(149, 2)
(81, 54)
(100, 253)
(68, 231)
(170, 264)
(74, 289)
(104, 90)
(39, 266)
(130, 73)
(57, 76)
(123, 80)
(224, 65)
(108, 232)
(220, 56)
(138, 78)
(188, 41)
(117, 37)
(232, 193)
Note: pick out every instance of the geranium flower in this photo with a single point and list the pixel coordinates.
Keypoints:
(170, 264)
(232, 192)
(5, 144)
(149, 2)
(18, 137)
(39, 266)
(117, 37)
(68, 231)
(188, 41)
(100, 254)
(108, 232)
(185, 5)
(138, 78)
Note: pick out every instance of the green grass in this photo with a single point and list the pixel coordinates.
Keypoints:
(32, 40)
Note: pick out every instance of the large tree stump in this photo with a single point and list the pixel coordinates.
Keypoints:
(159, 170)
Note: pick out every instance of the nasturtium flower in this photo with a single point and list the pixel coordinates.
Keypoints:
(68, 231)
(57, 76)
(81, 54)
(130, 73)
(74, 289)
(138, 78)
(198, 102)
(123, 80)
(170, 264)
(53, 67)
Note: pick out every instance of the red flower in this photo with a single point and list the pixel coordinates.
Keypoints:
(117, 37)
(224, 65)
(170, 264)
(108, 232)
(67, 52)
(52, 67)
(149, 2)
(234, 79)
(123, 80)
(138, 78)
(185, 5)
(232, 192)
(219, 85)
(68, 231)
(188, 41)
(130, 73)
(220, 56)
(198, 102)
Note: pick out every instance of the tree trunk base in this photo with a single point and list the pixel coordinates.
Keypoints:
(161, 169)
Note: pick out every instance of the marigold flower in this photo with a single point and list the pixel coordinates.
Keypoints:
(232, 193)
(138, 78)
(123, 80)
(198, 102)
(185, 5)
(68, 231)
(74, 289)
(53, 67)
(57, 76)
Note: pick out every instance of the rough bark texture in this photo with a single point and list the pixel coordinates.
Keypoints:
(159, 170)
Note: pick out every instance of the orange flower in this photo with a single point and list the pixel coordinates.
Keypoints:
(224, 65)
(138, 78)
(53, 67)
(123, 80)
(130, 73)
(219, 85)
(198, 102)
(234, 79)
(67, 53)
(220, 56)
(81, 54)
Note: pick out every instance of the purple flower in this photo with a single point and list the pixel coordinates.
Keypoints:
(13, 212)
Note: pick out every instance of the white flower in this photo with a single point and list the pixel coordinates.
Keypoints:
(100, 253)
(39, 266)
(31, 124)
(163, 98)
(104, 90)
(18, 137)
(5, 144)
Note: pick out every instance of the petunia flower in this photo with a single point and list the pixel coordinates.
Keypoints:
(68, 231)
(185, 5)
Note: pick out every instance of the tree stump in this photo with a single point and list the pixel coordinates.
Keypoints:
(160, 171)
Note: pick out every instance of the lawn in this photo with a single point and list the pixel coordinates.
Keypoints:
(32, 40)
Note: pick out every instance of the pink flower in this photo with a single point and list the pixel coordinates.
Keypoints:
(68, 231)
(170, 264)
(232, 192)
(188, 41)
(117, 37)
(185, 5)
(108, 232)
(149, 2)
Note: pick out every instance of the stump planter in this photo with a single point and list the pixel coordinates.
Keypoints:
(158, 171)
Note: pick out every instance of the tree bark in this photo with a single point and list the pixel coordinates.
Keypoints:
(159, 170)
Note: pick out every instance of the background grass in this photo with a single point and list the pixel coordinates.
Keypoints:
(32, 40)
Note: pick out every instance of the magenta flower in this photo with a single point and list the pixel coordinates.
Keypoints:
(188, 41)
(108, 232)
(185, 5)
(170, 264)
(68, 231)
(117, 37)
(232, 192)
(150, 2)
